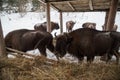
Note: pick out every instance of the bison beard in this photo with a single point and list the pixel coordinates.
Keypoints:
(24, 40)
(85, 42)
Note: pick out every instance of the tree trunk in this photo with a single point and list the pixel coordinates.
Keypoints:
(2, 43)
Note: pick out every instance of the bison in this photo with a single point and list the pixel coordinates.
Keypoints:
(69, 26)
(24, 40)
(113, 29)
(115, 48)
(43, 26)
(84, 42)
(89, 25)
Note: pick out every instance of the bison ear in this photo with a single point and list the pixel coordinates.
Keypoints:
(75, 22)
(55, 35)
(94, 24)
(83, 25)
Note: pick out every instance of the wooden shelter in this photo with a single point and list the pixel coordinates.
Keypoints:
(109, 6)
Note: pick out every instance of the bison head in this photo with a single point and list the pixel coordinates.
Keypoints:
(62, 43)
(54, 25)
(89, 25)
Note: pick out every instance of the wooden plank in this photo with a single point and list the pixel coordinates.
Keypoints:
(42, 2)
(54, 7)
(71, 6)
(20, 52)
(27, 54)
(112, 14)
(2, 43)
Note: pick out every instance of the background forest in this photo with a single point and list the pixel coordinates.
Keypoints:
(22, 6)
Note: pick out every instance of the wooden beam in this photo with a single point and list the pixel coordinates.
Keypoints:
(71, 6)
(61, 23)
(20, 52)
(54, 7)
(2, 43)
(112, 14)
(91, 4)
(48, 17)
(42, 2)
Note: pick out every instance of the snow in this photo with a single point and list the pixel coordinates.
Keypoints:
(16, 21)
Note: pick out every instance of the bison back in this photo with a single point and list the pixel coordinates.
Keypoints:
(12, 39)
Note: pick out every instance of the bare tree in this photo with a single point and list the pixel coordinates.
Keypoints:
(22, 7)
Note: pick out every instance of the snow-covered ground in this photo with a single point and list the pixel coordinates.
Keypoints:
(15, 21)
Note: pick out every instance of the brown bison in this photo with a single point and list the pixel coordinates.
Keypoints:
(24, 40)
(113, 29)
(115, 48)
(84, 42)
(69, 26)
(43, 26)
(89, 25)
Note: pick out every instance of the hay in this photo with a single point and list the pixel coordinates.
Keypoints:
(41, 68)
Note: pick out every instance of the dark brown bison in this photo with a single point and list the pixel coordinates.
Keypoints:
(69, 26)
(89, 25)
(115, 48)
(24, 40)
(84, 42)
(113, 29)
(43, 26)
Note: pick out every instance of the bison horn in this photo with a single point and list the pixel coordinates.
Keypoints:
(55, 35)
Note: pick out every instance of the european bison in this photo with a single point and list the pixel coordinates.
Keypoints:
(113, 29)
(115, 50)
(84, 42)
(69, 26)
(24, 40)
(89, 25)
(43, 26)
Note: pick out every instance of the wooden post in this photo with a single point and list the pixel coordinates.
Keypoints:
(61, 23)
(112, 14)
(2, 43)
(48, 17)
(106, 20)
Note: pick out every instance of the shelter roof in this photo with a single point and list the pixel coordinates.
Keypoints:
(81, 5)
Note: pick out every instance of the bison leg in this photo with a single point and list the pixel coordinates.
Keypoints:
(90, 59)
(43, 51)
(116, 53)
(108, 57)
(50, 46)
(80, 59)
(103, 58)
